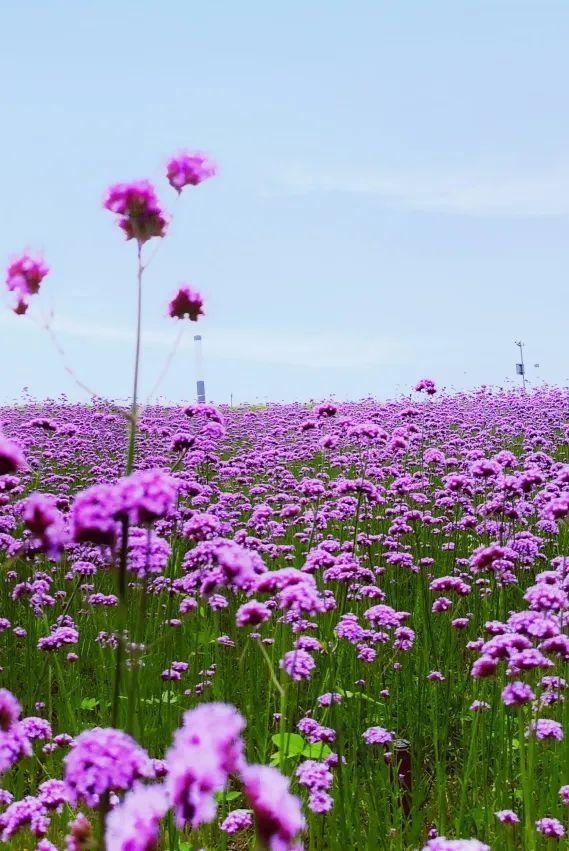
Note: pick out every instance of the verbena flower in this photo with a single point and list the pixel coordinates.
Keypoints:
(30, 812)
(378, 736)
(278, 814)
(237, 821)
(320, 802)
(134, 824)
(93, 515)
(14, 744)
(550, 827)
(10, 710)
(516, 694)
(252, 613)
(23, 277)
(103, 760)
(53, 794)
(507, 817)
(186, 302)
(80, 835)
(206, 749)
(298, 664)
(138, 210)
(314, 775)
(189, 170)
(545, 728)
(426, 385)
(11, 457)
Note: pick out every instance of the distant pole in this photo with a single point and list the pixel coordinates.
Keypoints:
(520, 367)
(200, 383)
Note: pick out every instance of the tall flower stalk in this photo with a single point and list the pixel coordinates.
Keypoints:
(134, 403)
(140, 216)
(130, 456)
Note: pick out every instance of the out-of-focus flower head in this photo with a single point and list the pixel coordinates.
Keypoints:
(93, 515)
(426, 385)
(206, 749)
(278, 813)
(10, 709)
(14, 744)
(104, 760)
(188, 303)
(135, 823)
(138, 209)
(189, 170)
(23, 277)
(145, 496)
(45, 522)
(80, 834)
(11, 457)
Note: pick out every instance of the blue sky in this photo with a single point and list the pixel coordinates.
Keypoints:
(392, 202)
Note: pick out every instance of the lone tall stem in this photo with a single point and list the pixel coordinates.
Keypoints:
(134, 405)
(123, 557)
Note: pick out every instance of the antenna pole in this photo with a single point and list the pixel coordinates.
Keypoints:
(200, 383)
(520, 367)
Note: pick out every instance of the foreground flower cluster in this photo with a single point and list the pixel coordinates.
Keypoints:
(380, 589)
(103, 763)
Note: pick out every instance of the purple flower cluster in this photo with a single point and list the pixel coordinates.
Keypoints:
(138, 210)
(189, 170)
(375, 552)
(188, 303)
(278, 814)
(23, 277)
(206, 750)
(101, 761)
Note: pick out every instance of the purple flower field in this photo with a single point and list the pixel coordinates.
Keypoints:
(324, 626)
(337, 626)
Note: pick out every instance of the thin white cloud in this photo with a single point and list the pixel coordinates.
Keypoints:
(323, 350)
(475, 193)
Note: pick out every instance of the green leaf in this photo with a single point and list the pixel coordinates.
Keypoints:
(317, 751)
(227, 796)
(89, 704)
(295, 745)
(292, 742)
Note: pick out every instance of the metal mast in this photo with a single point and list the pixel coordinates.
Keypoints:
(520, 367)
(200, 383)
